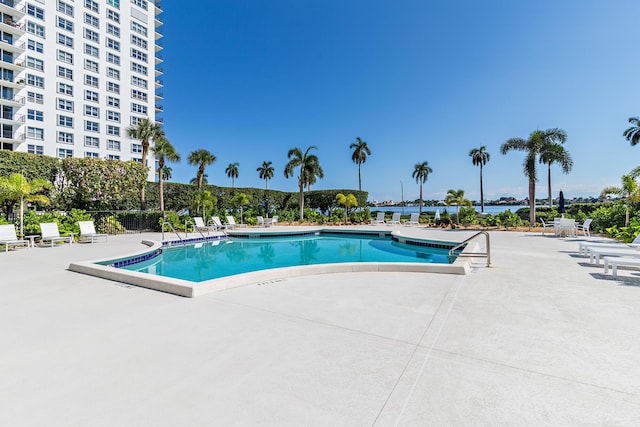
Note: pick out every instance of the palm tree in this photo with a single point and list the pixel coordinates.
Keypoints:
(203, 199)
(359, 156)
(309, 169)
(421, 172)
(265, 172)
(194, 180)
(633, 133)
(232, 172)
(145, 132)
(167, 173)
(555, 153)
(480, 157)
(456, 197)
(533, 147)
(629, 190)
(202, 158)
(16, 187)
(163, 151)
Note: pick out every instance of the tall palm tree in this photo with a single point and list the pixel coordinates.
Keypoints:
(164, 151)
(421, 172)
(555, 153)
(232, 172)
(146, 131)
(17, 187)
(633, 133)
(456, 198)
(480, 157)
(167, 173)
(532, 148)
(359, 156)
(265, 172)
(202, 158)
(309, 169)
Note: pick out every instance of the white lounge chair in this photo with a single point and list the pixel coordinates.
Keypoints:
(614, 262)
(395, 219)
(51, 233)
(232, 222)
(379, 218)
(414, 219)
(218, 224)
(199, 225)
(260, 221)
(88, 232)
(585, 227)
(8, 237)
(274, 220)
(546, 225)
(583, 247)
(596, 253)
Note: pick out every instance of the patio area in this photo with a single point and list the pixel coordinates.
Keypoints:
(540, 338)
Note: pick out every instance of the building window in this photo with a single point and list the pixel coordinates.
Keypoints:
(36, 29)
(113, 102)
(138, 41)
(35, 11)
(114, 3)
(136, 54)
(65, 121)
(65, 137)
(113, 44)
(138, 68)
(137, 108)
(113, 157)
(36, 81)
(92, 141)
(35, 115)
(136, 148)
(135, 120)
(113, 116)
(91, 154)
(113, 73)
(65, 89)
(91, 35)
(91, 5)
(65, 72)
(113, 58)
(140, 29)
(91, 81)
(65, 24)
(94, 21)
(113, 30)
(64, 153)
(36, 98)
(65, 8)
(90, 95)
(91, 111)
(65, 56)
(113, 145)
(113, 87)
(138, 94)
(91, 126)
(140, 3)
(113, 130)
(35, 46)
(137, 81)
(35, 63)
(35, 133)
(114, 16)
(35, 149)
(91, 50)
(91, 65)
(65, 105)
(65, 40)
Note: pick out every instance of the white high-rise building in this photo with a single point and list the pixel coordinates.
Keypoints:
(76, 74)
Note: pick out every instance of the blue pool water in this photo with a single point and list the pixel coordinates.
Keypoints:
(227, 257)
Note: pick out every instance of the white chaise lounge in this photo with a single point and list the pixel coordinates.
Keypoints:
(199, 225)
(596, 253)
(8, 237)
(232, 222)
(51, 233)
(414, 219)
(379, 218)
(395, 219)
(584, 246)
(88, 232)
(614, 262)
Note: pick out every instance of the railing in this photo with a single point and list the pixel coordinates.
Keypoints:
(165, 224)
(475, 254)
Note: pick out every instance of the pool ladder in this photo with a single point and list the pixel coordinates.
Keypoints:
(166, 223)
(475, 254)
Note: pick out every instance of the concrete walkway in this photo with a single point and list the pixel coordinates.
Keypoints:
(542, 338)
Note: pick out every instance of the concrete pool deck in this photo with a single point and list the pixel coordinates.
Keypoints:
(542, 338)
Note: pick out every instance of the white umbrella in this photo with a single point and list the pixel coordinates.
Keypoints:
(437, 215)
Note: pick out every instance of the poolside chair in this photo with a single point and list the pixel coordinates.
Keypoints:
(88, 232)
(232, 222)
(546, 225)
(596, 253)
(218, 224)
(614, 262)
(274, 220)
(199, 225)
(395, 219)
(379, 219)
(584, 227)
(584, 247)
(260, 221)
(414, 220)
(51, 233)
(8, 237)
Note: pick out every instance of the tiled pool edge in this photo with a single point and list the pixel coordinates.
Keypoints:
(192, 289)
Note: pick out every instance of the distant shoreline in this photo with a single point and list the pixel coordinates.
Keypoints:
(490, 209)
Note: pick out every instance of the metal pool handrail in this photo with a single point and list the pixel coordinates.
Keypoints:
(172, 229)
(478, 254)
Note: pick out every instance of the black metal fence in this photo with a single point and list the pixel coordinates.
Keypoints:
(122, 222)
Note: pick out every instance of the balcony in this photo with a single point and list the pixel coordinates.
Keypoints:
(159, 83)
(159, 71)
(11, 137)
(9, 7)
(15, 83)
(159, 96)
(16, 47)
(16, 101)
(12, 119)
(8, 63)
(159, 59)
(159, 108)
(11, 26)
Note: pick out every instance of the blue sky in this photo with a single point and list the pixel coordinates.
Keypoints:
(417, 80)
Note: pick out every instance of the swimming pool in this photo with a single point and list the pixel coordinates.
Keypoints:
(231, 256)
